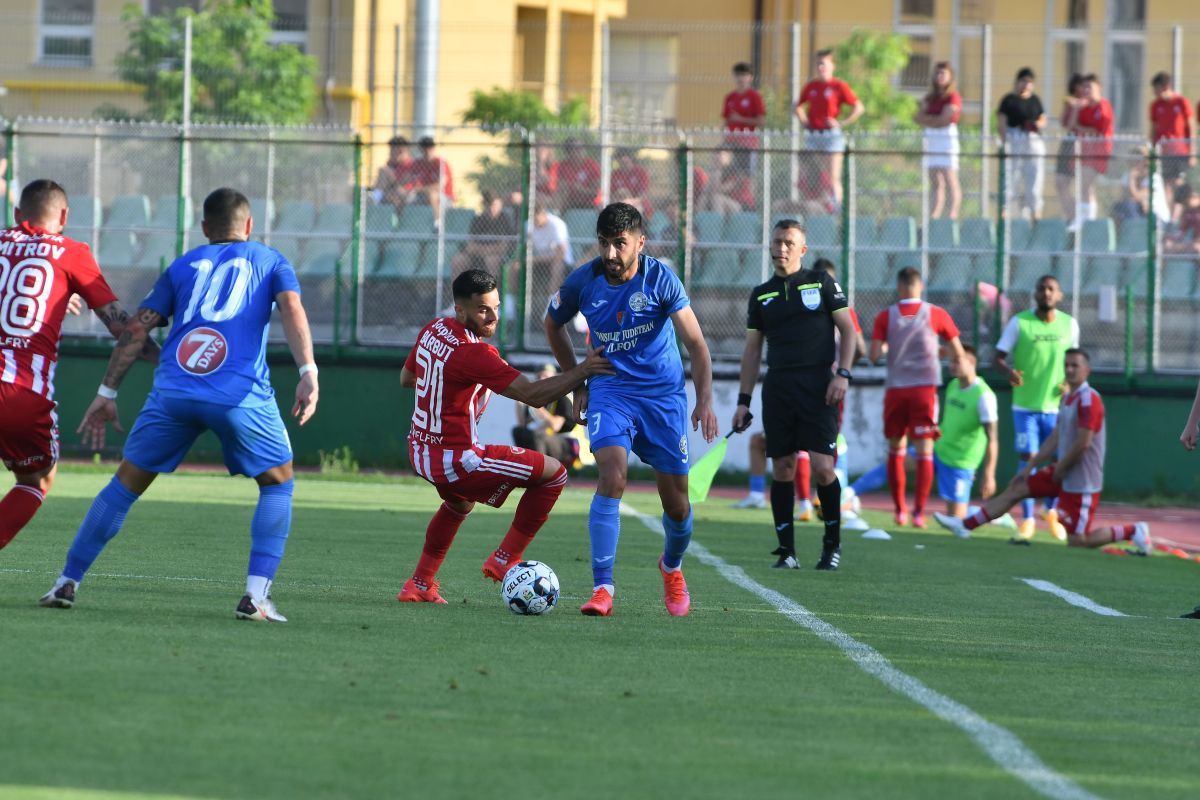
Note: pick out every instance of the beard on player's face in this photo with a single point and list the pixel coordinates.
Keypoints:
(481, 314)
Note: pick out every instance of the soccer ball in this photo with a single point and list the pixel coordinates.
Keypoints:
(530, 587)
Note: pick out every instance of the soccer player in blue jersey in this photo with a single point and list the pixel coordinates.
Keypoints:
(212, 376)
(635, 306)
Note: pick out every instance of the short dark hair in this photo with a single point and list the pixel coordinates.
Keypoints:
(794, 224)
(826, 265)
(397, 141)
(618, 218)
(970, 350)
(426, 141)
(742, 68)
(225, 210)
(826, 53)
(908, 276)
(472, 282)
(1091, 77)
(1025, 73)
(39, 198)
(1074, 83)
(1078, 351)
(1048, 277)
(1161, 79)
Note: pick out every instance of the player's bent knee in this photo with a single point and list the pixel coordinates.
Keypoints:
(275, 475)
(550, 469)
(462, 507)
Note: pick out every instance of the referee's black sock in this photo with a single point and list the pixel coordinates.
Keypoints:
(831, 509)
(783, 507)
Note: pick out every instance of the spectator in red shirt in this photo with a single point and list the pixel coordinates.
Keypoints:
(730, 190)
(744, 113)
(938, 114)
(394, 182)
(1064, 168)
(578, 177)
(820, 102)
(1171, 130)
(1186, 236)
(547, 174)
(431, 176)
(630, 183)
(1094, 120)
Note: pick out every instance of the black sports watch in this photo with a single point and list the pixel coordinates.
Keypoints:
(842, 372)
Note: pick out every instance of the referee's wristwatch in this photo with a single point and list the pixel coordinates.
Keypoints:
(842, 372)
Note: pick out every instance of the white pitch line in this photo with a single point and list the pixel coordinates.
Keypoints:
(1074, 598)
(1001, 745)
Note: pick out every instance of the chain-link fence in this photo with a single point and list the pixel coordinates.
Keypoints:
(378, 228)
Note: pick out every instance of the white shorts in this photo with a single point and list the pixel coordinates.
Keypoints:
(941, 147)
(825, 141)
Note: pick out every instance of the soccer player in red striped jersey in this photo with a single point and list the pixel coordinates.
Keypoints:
(1074, 474)
(40, 270)
(455, 372)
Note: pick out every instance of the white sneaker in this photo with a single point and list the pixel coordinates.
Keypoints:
(258, 610)
(1005, 521)
(952, 524)
(752, 500)
(850, 501)
(1141, 537)
(61, 594)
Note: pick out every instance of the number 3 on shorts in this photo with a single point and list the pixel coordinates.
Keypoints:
(595, 425)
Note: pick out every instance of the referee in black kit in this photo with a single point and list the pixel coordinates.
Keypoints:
(796, 311)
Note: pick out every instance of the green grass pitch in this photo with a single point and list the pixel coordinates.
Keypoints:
(149, 688)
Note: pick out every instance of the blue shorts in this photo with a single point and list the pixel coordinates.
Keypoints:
(654, 426)
(1032, 429)
(953, 483)
(253, 440)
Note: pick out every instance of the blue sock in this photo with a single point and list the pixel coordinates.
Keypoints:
(103, 521)
(1028, 505)
(269, 528)
(678, 537)
(869, 481)
(758, 483)
(604, 526)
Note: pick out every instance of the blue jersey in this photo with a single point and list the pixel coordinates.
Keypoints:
(221, 297)
(632, 321)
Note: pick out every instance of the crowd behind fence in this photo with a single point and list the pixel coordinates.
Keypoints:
(376, 256)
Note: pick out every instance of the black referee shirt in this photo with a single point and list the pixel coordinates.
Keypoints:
(795, 315)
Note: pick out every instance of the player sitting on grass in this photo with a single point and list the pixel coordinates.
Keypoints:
(213, 376)
(455, 372)
(1075, 477)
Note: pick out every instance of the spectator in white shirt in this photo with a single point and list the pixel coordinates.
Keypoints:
(550, 247)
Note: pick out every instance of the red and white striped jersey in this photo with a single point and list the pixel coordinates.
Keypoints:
(39, 272)
(1081, 409)
(456, 374)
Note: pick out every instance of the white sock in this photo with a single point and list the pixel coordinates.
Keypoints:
(256, 586)
(806, 505)
(665, 569)
(611, 589)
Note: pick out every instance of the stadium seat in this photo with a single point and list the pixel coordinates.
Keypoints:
(1049, 236)
(954, 272)
(158, 250)
(942, 234)
(295, 216)
(380, 220)
(1178, 278)
(1098, 236)
(659, 229)
(427, 264)
(866, 232)
(322, 257)
(458, 221)
(977, 233)
(289, 246)
(263, 212)
(335, 218)
(166, 211)
(1132, 236)
(117, 250)
(720, 269)
(871, 270)
(1019, 232)
(898, 233)
(823, 232)
(1103, 271)
(744, 227)
(84, 213)
(128, 211)
(397, 259)
(1027, 268)
(709, 226)
(581, 224)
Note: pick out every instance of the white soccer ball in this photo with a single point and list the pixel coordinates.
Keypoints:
(529, 587)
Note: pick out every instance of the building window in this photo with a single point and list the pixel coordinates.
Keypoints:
(155, 8)
(919, 69)
(975, 12)
(1124, 88)
(291, 17)
(66, 32)
(645, 71)
(1072, 13)
(1127, 14)
(916, 12)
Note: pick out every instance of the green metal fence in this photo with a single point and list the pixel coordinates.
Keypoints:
(376, 264)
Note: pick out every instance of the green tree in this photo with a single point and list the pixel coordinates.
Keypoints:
(869, 60)
(237, 74)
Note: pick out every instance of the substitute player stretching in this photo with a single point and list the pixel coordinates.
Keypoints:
(1036, 339)
(455, 373)
(40, 270)
(969, 425)
(635, 306)
(213, 376)
(909, 330)
(1075, 475)
(797, 312)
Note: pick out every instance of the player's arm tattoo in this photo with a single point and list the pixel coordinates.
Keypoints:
(114, 318)
(130, 344)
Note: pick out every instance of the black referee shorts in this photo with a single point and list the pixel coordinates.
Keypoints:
(795, 416)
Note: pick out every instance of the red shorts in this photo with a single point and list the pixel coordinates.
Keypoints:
(28, 430)
(911, 411)
(1075, 511)
(501, 469)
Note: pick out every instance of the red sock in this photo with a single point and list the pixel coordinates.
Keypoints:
(531, 514)
(980, 517)
(924, 481)
(16, 509)
(896, 480)
(1123, 533)
(438, 536)
(803, 475)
